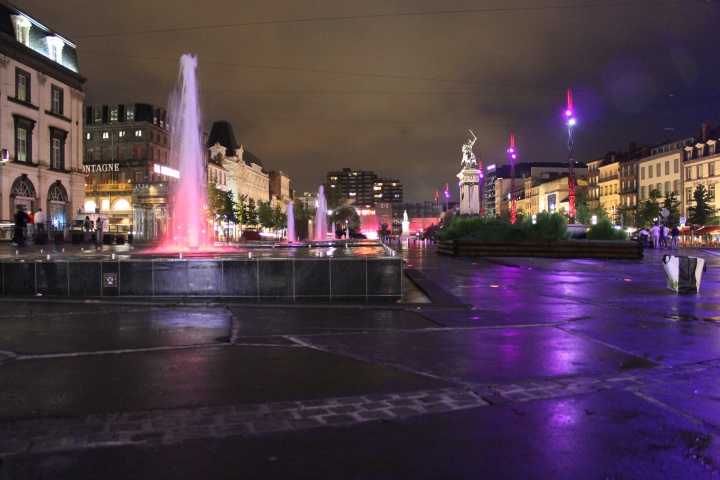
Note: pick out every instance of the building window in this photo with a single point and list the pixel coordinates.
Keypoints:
(676, 165)
(688, 195)
(711, 191)
(699, 171)
(21, 145)
(642, 173)
(57, 148)
(711, 169)
(23, 139)
(667, 188)
(688, 176)
(657, 169)
(114, 114)
(88, 154)
(130, 113)
(667, 167)
(22, 29)
(55, 48)
(642, 193)
(97, 113)
(22, 85)
(676, 186)
(106, 135)
(650, 171)
(56, 100)
(138, 133)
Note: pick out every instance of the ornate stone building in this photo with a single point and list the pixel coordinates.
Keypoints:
(40, 120)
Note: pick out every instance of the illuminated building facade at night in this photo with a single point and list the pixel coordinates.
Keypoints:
(40, 120)
(127, 177)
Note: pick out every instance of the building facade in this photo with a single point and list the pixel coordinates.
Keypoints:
(40, 120)
(126, 166)
(365, 189)
(244, 171)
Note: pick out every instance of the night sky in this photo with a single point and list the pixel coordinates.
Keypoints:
(393, 86)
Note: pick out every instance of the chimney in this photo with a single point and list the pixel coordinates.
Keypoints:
(632, 149)
(705, 132)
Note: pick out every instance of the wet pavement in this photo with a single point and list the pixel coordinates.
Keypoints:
(502, 368)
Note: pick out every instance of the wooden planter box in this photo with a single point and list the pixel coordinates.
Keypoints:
(557, 249)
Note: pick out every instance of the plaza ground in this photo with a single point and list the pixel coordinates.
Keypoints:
(498, 368)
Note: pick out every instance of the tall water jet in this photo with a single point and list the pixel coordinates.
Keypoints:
(320, 230)
(189, 195)
(290, 223)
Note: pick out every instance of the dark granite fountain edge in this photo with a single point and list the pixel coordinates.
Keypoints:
(325, 279)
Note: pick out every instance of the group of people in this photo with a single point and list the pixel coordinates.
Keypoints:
(661, 236)
(27, 225)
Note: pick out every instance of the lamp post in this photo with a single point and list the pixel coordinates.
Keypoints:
(569, 116)
(513, 155)
(447, 198)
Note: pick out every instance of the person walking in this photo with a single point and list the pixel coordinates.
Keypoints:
(40, 221)
(675, 236)
(21, 221)
(655, 235)
(665, 234)
(99, 231)
(87, 227)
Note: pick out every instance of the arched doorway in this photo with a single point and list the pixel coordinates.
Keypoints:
(56, 210)
(22, 193)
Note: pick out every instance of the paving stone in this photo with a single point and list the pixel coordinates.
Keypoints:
(227, 430)
(213, 411)
(339, 419)
(104, 438)
(166, 423)
(191, 432)
(143, 437)
(374, 415)
(403, 411)
(269, 426)
(126, 427)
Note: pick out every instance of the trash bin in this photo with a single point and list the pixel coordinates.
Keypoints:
(683, 273)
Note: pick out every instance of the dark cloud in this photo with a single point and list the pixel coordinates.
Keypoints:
(389, 87)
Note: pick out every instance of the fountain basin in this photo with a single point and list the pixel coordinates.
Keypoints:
(341, 277)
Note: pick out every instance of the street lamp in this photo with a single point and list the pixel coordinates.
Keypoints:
(447, 198)
(569, 117)
(513, 155)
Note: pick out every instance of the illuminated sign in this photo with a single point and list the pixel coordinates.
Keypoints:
(490, 167)
(163, 170)
(103, 167)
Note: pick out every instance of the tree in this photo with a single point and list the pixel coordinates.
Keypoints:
(649, 210)
(583, 214)
(252, 213)
(241, 211)
(334, 196)
(265, 215)
(702, 213)
(627, 216)
(222, 205)
(672, 204)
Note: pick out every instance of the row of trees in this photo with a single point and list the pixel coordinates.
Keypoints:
(223, 208)
(648, 211)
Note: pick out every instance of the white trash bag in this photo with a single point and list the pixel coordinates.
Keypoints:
(683, 273)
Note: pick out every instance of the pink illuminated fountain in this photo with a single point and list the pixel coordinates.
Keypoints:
(187, 210)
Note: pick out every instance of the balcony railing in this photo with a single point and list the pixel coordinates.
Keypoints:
(607, 178)
(108, 188)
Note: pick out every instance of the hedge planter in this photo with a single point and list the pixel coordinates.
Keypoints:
(557, 249)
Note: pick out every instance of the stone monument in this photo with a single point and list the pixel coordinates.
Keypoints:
(470, 181)
(405, 223)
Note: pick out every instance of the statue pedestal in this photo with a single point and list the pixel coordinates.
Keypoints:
(405, 228)
(470, 191)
